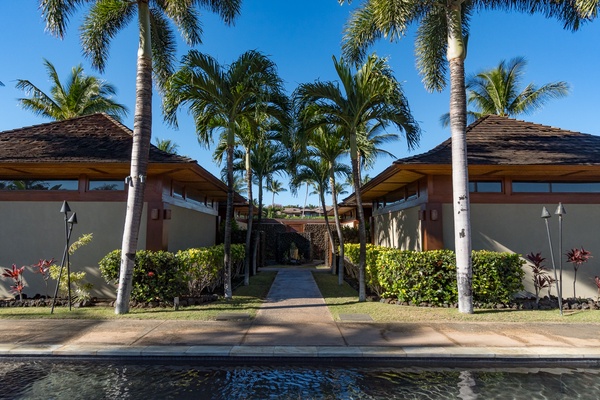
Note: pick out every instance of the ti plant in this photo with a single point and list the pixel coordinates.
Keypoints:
(541, 279)
(43, 268)
(577, 257)
(16, 274)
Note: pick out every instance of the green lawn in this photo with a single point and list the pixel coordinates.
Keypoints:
(340, 299)
(344, 300)
(246, 299)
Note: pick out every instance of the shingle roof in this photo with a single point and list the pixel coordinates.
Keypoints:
(495, 140)
(91, 138)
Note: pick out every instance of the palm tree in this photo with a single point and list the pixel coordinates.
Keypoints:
(274, 186)
(441, 43)
(166, 145)
(370, 96)
(327, 142)
(79, 95)
(496, 91)
(155, 56)
(222, 99)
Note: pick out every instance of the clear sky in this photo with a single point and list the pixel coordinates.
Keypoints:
(301, 37)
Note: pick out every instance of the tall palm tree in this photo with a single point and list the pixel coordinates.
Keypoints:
(155, 56)
(269, 159)
(328, 143)
(222, 99)
(166, 145)
(79, 95)
(441, 44)
(369, 96)
(496, 91)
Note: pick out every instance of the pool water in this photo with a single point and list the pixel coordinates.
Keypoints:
(45, 379)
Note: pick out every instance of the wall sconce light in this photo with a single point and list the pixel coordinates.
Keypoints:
(433, 215)
(154, 213)
(167, 214)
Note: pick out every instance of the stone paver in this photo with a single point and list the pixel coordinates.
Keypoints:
(294, 323)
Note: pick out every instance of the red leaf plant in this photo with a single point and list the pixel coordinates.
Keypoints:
(577, 257)
(43, 268)
(16, 274)
(541, 279)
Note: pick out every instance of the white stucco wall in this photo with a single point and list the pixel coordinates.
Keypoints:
(190, 229)
(399, 229)
(519, 228)
(35, 230)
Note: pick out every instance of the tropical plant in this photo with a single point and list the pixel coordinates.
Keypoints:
(441, 44)
(79, 95)
(81, 288)
(496, 92)
(577, 257)
(541, 279)
(155, 56)
(43, 268)
(369, 96)
(16, 274)
(166, 145)
(222, 99)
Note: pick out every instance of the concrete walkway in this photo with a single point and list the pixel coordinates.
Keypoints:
(295, 323)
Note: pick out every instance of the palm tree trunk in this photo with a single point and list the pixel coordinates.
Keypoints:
(338, 227)
(228, 292)
(142, 132)
(329, 234)
(260, 200)
(460, 173)
(248, 257)
(362, 232)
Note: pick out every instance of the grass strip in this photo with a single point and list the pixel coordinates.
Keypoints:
(344, 300)
(246, 299)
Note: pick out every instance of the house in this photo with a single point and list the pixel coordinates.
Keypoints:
(85, 161)
(515, 169)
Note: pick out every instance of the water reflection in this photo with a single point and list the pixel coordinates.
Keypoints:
(101, 380)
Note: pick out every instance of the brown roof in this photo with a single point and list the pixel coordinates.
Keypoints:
(495, 145)
(495, 140)
(90, 144)
(91, 138)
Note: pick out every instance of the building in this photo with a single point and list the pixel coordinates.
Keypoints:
(515, 169)
(85, 161)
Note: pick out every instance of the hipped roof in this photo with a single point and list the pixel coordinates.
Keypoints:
(496, 146)
(96, 145)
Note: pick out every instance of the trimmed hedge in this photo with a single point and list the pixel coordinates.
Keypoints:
(430, 276)
(161, 275)
(157, 275)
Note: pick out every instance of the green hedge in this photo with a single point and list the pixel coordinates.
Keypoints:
(430, 276)
(157, 275)
(202, 268)
(161, 275)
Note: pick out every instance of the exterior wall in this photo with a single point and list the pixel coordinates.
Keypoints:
(35, 230)
(519, 228)
(190, 228)
(400, 229)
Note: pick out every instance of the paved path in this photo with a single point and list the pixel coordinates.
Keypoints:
(293, 323)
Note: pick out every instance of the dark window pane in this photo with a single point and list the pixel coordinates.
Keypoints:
(531, 187)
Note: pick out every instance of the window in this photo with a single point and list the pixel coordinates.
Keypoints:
(485, 187)
(106, 185)
(31, 184)
(556, 187)
(178, 191)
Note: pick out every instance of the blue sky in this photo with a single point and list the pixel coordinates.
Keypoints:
(301, 37)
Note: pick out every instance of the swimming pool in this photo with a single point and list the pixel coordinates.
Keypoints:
(47, 379)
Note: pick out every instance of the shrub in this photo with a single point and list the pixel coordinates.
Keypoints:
(202, 268)
(430, 276)
(157, 275)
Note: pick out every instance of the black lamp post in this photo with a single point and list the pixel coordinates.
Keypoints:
(69, 222)
(546, 215)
